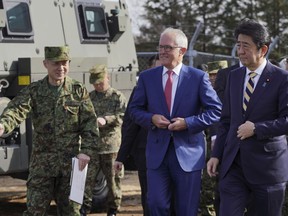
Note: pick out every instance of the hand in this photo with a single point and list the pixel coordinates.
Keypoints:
(1, 130)
(212, 166)
(118, 166)
(83, 160)
(101, 121)
(160, 121)
(177, 124)
(246, 130)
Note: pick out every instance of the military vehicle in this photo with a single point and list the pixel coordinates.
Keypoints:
(97, 32)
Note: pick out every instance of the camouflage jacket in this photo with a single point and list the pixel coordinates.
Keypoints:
(110, 105)
(61, 123)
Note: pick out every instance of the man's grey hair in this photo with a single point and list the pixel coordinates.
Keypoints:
(180, 39)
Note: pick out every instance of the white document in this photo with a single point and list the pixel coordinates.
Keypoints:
(77, 181)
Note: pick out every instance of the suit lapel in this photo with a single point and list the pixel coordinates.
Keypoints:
(237, 85)
(184, 76)
(159, 88)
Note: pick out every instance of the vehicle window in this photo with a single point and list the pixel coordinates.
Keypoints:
(92, 23)
(95, 21)
(18, 22)
(18, 18)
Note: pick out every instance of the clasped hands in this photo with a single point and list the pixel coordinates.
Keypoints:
(176, 124)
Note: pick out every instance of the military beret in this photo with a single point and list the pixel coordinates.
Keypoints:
(97, 73)
(213, 67)
(59, 53)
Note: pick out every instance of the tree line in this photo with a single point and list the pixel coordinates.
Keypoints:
(219, 19)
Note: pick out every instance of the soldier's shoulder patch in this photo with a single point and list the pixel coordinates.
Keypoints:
(77, 83)
(117, 92)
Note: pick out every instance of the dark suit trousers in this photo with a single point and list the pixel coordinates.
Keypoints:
(237, 194)
(170, 178)
(143, 185)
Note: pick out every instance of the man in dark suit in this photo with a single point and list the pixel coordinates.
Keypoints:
(219, 86)
(208, 184)
(221, 79)
(251, 144)
(133, 143)
(213, 70)
(175, 113)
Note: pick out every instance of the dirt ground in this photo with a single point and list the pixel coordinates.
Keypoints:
(13, 197)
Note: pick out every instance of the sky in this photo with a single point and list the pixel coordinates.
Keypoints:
(135, 8)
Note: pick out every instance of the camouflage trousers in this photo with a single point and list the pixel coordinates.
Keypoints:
(207, 198)
(106, 162)
(93, 169)
(42, 190)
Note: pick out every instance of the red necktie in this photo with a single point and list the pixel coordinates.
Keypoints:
(168, 89)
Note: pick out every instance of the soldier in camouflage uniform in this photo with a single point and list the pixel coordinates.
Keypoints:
(110, 105)
(62, 113)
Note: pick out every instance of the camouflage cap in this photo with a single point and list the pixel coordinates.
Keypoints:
(97, 73)
(213, 67)
(60, 53)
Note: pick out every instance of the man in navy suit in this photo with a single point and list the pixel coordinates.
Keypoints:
(251, 145)
(175, 151)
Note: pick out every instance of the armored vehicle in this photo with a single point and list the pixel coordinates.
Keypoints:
(97, 32)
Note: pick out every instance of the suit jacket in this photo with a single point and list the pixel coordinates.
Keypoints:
(133, 141)
(220, 85)
(221, 79)
(264, 156)
(193, 95)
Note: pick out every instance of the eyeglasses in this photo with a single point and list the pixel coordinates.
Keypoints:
(166, 48)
